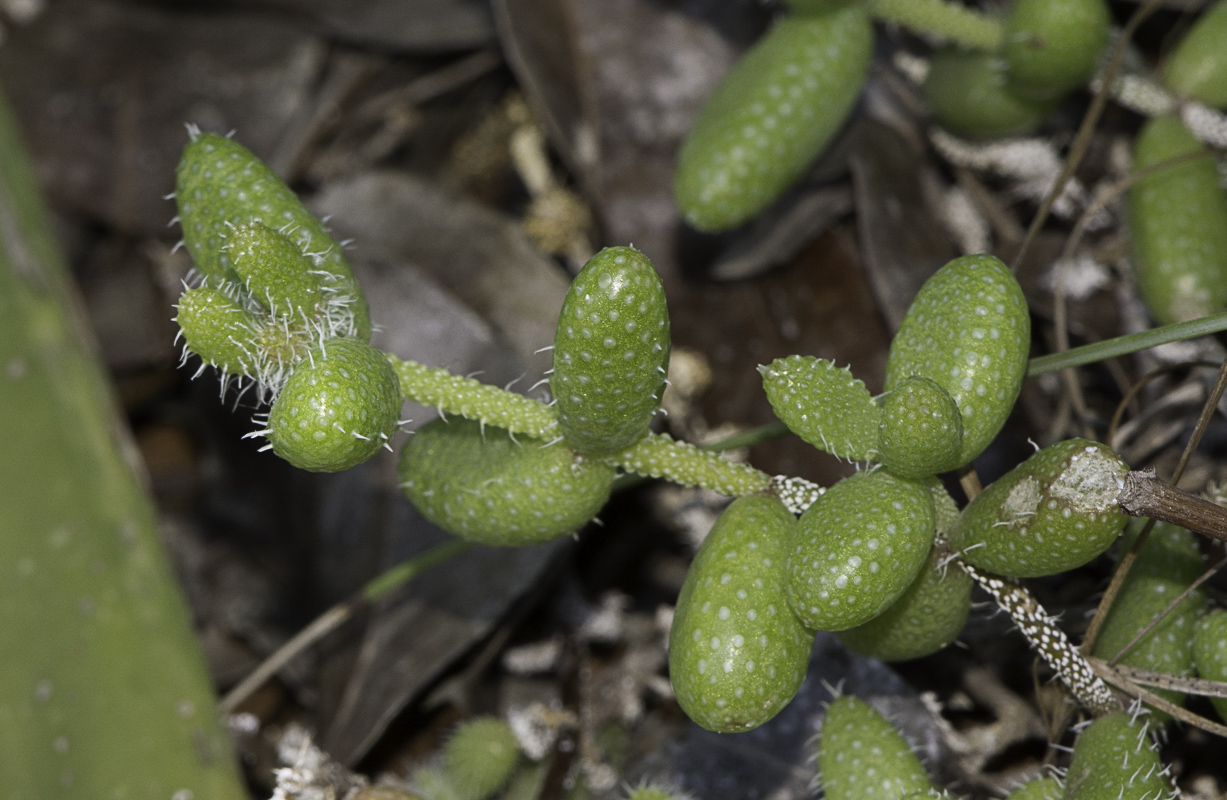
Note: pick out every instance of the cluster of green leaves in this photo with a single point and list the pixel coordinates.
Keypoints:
(780, 106)
(861, 755)
(276, 305)
(1048, 48)
(869, 558)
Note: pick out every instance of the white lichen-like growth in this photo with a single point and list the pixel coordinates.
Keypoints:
(1091, 481)
(308, 772)
(1032, 165)
(962, 219)
(1148, 97)
(1081, 276)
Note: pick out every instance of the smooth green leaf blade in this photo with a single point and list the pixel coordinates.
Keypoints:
(1125, 345)
(103, 690)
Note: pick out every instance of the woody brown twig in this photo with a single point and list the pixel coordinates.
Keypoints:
(1145, 494)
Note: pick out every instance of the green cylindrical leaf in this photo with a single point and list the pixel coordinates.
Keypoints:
(926, 618)
(339, 406)
(858, 548)
(921, 432)
(1054, 512)
(611, 352)
(1053, 46)
(1177, 227)
(471, 399)
(1043, 789)
(824, 405)
(275, 271)
(1197, 68)
(219, 330)
(1114, 759)
(1166, 565)
(480, 757)
(737, 653)
(968, 331)
(949, 20)
(862, 757)
(771, 116)
(969, 95)
(482, 485)
(219, 184)
(1210, 652)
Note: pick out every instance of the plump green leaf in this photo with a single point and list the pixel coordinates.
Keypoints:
(339, 406)
(276, 272)
(1054, 512)
(1053, 46)
(611, 352)
(1177, 227)
(1114, 759)
(1166, 565)
(862, 757)
(1197, 68)
(921, 432)
(737, 653)
(968, 331)
(219, 330)
(1210, 652)
(481, 484)
(824, 405)
(480, 757)
(927, 616)
(1043, 789)
(968, 95)
(858, 548)
(220, 184)
(772, 115)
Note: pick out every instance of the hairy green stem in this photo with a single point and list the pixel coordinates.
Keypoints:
(472, 399)
(660, 456)
(1124, 345)
(950, 21)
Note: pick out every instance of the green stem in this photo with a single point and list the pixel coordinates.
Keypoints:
(406, 571)
(950, 21)
(336, 616)
(660, 456)
(474, 400)
(1124, 345)
(763, 433)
